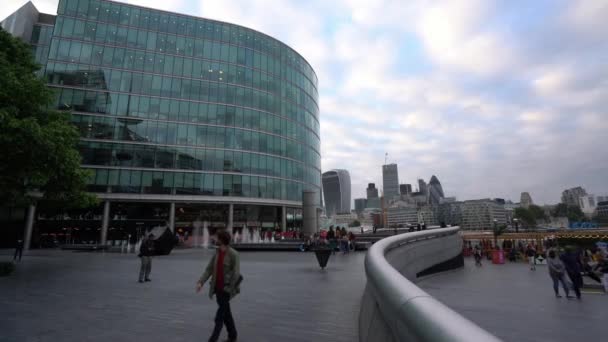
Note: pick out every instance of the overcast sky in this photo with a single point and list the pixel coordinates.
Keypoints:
(493, 97)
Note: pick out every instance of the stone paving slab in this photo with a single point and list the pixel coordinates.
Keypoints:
(519, 305)
(76, 296)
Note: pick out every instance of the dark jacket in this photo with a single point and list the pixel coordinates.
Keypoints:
(146, 248)
(572, 262)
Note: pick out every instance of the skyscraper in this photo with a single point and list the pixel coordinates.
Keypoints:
(360, 204)
(390, 180)
(217, 119)
(336, 191)
(571, 196)
(422, 188)
(405, 189)
(435, 191)
(525, 200)
(372, 191)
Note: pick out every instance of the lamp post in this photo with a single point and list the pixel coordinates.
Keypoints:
(516, 225)
(495, 233)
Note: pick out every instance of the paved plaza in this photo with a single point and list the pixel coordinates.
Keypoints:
(76, 296)
(68, 296)
(518, 305)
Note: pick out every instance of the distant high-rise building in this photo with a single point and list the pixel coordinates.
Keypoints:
(588, 203)
(372, 191)
(482, 214)
(526, 200)
(422, 187)
(360, 205)
(336, 190)
(435, 191)
(571, 196)
(405, 189)
(390, 180)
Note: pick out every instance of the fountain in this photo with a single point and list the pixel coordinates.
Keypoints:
(196, 232)
(205, 235)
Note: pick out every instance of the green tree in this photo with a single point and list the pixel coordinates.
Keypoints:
(38, 145)
(525, 216)
(572, 212)
(537, 212)
(355, 223)
(497, 231)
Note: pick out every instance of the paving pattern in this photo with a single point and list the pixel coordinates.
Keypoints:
(518, 305)
(76, 296)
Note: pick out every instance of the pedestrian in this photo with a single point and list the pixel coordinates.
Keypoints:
(557, 272)
(224, 270)
(477, 255)
(531, 254)
(602, 266)
(571, 260)
(146, 251)
(18, 249)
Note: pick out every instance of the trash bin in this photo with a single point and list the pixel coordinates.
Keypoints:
(322, 255)
(498, 257)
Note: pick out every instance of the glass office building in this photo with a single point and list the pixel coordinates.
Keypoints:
(181, 118)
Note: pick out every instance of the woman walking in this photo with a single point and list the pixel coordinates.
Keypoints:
(557, 271)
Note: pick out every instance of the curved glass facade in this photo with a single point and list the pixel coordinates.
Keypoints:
(173, 104)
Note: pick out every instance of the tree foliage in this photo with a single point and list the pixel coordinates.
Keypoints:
(572, 212)
(525, 216)
(38, 145)
(355, 223)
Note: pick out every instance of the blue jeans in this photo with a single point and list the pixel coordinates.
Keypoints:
(557, 278)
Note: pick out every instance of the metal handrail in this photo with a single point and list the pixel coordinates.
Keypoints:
(404, 305)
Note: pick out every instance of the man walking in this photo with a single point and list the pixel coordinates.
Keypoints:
(146, 251)
(18, 249)
(531, 254)
(571, 260)
(224, 270)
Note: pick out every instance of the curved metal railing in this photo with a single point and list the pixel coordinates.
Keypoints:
(408, 311)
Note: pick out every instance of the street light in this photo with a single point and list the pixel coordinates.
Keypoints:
(516, 225)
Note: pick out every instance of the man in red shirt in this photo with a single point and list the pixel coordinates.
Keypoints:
(224, 270)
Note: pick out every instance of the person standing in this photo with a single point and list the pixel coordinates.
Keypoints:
(531, 254)
(224, 270)
(572, 262)
(477, 255)
(146, 251)
(18, 249)
(557, 271)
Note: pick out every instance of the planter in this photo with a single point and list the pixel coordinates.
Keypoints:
(322, 255)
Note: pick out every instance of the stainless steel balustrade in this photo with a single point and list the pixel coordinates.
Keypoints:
(395, 309)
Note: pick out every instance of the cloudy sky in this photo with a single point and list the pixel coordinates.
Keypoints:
(493, 97)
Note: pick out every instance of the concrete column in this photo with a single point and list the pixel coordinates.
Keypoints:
(230, 217)
(309, 212)
(172, 217)
(284, 218)
(29, 226)
(104, 223)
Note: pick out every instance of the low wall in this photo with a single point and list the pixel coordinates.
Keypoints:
(393, 308)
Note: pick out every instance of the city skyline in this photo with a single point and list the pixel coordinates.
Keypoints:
(528, 119)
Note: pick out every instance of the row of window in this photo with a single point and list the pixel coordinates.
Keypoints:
(146, 107)
(187, 90)
(41, 35)
(91, 127)
(161, 157)
(98, 55)
(167, 44)
(145, 117)
(159, 182)
(154, 20)
(194, 113)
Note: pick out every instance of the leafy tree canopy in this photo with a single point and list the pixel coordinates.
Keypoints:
(38, 145)
(572, 212)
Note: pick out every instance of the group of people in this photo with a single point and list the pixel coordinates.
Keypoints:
(224, 271)
(567, 267)
(334, 239)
